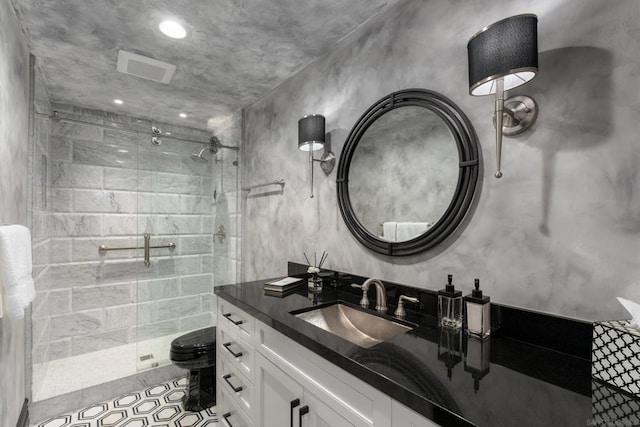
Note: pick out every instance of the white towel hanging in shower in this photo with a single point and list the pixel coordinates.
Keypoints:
(15, 269)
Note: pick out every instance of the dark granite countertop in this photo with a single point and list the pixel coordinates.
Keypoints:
(427, 370)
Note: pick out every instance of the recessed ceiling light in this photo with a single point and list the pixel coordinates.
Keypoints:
(172, 29)
(183, 115)
(118, 101)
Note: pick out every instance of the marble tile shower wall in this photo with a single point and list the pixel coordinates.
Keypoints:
(109, 187)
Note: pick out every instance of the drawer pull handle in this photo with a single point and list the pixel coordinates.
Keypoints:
(226, 418)
(303, 411)
(294, 404)
(227, 345)
(235, 389)
(235, 322)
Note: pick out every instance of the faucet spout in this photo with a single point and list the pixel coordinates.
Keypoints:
(381, 293)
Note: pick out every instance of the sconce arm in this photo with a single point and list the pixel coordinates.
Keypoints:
(499, 120)
(327, 163)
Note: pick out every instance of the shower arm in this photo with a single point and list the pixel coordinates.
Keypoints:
(227, 146)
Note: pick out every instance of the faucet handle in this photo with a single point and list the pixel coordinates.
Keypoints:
(400, 312)
(364, 302)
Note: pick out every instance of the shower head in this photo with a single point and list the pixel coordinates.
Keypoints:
(200, 156)
(214, 146)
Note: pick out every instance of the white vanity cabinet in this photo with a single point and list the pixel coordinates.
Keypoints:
(284, 402)
(401, 416)
(279, 383)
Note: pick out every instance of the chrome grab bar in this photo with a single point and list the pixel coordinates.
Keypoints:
(102, 249)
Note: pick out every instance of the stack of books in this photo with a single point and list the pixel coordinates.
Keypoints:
(282, 287)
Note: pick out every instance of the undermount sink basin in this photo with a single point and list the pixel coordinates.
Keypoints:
(352, 324)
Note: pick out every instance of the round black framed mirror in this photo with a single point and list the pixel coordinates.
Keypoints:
(408, 172)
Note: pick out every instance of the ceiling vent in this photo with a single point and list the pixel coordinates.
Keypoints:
(145, 67)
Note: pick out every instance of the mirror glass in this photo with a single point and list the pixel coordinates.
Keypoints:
(407, 173)
(403, 174)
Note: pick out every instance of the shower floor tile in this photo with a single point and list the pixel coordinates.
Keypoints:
(60, 376)
(155, 406)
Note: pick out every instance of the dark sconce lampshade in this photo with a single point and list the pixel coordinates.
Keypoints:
(507, 48)
(311, 135)
(503, 56)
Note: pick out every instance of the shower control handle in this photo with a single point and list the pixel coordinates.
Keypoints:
(220, 234)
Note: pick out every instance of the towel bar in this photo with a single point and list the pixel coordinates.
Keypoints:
(279, 182)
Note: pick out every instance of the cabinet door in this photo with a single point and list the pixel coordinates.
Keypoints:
(321, 415)
(275, 391)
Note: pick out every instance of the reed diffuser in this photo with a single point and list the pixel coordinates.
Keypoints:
(314, 281)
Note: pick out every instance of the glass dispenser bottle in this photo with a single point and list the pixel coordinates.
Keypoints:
(478, 312)
(450, 306)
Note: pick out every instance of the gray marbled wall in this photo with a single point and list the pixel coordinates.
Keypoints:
(14, 203)
(558, 233)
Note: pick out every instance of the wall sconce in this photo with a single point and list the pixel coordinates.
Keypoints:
(311, 137)
(503, 56)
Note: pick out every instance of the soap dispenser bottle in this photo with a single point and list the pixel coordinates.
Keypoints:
(478, 312)
(450, 306)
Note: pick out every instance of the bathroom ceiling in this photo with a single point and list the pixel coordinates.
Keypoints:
(234, 53)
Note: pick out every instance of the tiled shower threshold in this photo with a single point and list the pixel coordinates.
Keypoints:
(63, 376)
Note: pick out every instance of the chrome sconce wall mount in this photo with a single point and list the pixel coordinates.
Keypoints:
(311, 137)
(503, 56)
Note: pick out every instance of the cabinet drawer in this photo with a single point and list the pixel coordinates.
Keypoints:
(236, 385)
(235, 320)
(240, 354)
(229, 414)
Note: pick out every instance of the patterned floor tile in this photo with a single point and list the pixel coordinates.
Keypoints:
(156, 406)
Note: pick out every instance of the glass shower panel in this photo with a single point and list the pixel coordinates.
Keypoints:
(100, 182)
(175, 200)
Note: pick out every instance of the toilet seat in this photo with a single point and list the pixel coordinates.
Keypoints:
(194, 345)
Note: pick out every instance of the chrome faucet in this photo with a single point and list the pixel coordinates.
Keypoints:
(381, 294)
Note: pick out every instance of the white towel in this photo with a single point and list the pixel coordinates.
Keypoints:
(410, 230)
(15, 269)
(389, 231)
